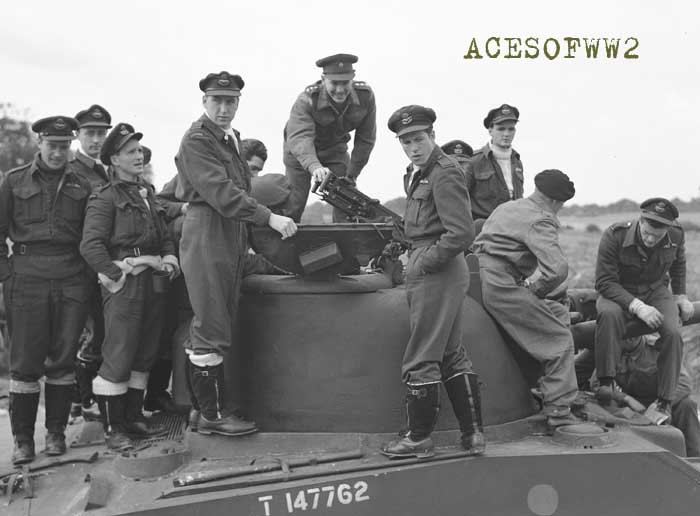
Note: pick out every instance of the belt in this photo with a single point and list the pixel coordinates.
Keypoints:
(125, 252)
(44, 249)
(423, 242)
(489, 261)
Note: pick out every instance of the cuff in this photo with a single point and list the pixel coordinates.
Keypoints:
(262, 215)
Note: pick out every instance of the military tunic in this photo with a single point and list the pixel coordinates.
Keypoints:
(317, 134)
(518, 238)
(120, 224)
(45, 281)
(89, 169)
(438, 226)
(215, 181)
(626, 270)
(486, 184)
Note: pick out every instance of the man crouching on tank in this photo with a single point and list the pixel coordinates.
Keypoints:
(439, 229)
(518, 238)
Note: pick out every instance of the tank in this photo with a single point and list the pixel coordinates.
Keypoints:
(317, 366)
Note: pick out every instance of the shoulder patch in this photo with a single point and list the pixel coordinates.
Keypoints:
(197, 125)
(447, 162)
(312, 88)
(621, 225)
(361, 85)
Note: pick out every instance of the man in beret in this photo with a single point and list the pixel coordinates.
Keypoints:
(46, 288)
(93, 124)
(439, 229)
(636, 262)
(495, 172)
(517, 239)
(318, 131)
(459, 150)
(215, 182)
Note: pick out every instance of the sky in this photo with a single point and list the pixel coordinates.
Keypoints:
(621, 128)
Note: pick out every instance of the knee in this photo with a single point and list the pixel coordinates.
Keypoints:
(610, 312)
(685, 406)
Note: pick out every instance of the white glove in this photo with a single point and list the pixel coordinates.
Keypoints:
(650, 315)
(685, 307)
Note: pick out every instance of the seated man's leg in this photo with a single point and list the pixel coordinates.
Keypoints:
(584, 364)
(669, 343)
(300, 181)
(684, 416)
(609, 332)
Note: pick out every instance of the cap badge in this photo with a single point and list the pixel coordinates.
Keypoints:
(59, 124)
(458, 149)
(406, 118)
(341, 64)
(660, 207)
(505, 111)
(223, 82)
(123, 131)
(223, 75)
(96, 114)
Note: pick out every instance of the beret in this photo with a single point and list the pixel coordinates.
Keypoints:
(338, 66)
(457, 147)
(659, 209)
(94, 116)
(501, 114)
(555, 184)
(411, 118)
(56, 128)
(222, 83)
(116, 139)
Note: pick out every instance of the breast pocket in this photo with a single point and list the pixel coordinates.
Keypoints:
(129, 221)
(71, 203)
(28, 204)
(416, 205)
(486, 184)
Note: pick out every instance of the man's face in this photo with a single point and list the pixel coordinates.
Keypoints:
(221, 109)
(649, 234)
(418, 146)
(502, 134)
(91, 140)
(54, 154)
(255, 165)
(337, 90)
(129, 159)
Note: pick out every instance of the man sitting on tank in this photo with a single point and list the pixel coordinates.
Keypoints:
(518, 238)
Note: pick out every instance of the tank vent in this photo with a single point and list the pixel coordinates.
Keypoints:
(585, 435)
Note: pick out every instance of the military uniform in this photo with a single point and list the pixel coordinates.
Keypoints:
(317, 133)
(627, 270)
(45, 287)
(458, 150)
(518, 238)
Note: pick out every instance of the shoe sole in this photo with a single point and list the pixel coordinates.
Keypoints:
(417, 455)
(20, 462)
(229, 434)
(54, 453)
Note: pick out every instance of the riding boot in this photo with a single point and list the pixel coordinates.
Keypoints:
(23, 408)
(57, 400)
(85, 372)
(422, 406)
(209, 389)
(464, 394)
(113, 410)
(134, 421)
(157, 396)
(193, 418)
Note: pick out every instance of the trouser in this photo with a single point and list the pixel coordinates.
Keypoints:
(133, 322)
(538, 326)
(212, 250)
(300, 181)
(684, 416)
(435, 301)
(609, 334)
(45, 319)
(89, 356)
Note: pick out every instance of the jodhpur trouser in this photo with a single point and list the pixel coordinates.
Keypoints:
(434, 352)
(212, 251)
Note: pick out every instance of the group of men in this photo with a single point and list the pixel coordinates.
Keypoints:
(457, 202)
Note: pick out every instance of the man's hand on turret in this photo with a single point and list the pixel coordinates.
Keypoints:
(283, 225)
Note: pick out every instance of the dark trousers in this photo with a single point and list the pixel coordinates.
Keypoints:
(92, 351)
(133, 322)
(435, 301)
(212, 250)
(610, 330)
(45, 320)
(300, 181)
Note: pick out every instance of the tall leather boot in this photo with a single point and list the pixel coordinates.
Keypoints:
(157, 396)
(209, 389)
(134, 421)
(113, 410)
(23, 407)
(193, 418)
(463, 391)
(57, 398)
(422, 406)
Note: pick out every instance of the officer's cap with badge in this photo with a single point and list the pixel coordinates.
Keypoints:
(94, 116)
(222, 84)
(457, 148)
(56, 128)
(660, 210)
(116, 139)
(338, 67)
(412, 118)
(501, 114)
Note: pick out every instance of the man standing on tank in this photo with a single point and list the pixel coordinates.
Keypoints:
(215, 182)
(439, 229)
(318, 131)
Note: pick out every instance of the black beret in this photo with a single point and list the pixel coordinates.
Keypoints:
(338, 67)
(56, 128)
(222, 83)
(411, 118)
(116, 139)
(457, 147)
(501, 114)
(555, 184)
(271, 190)
(146, 154)
(659, 209)
(94, 116)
